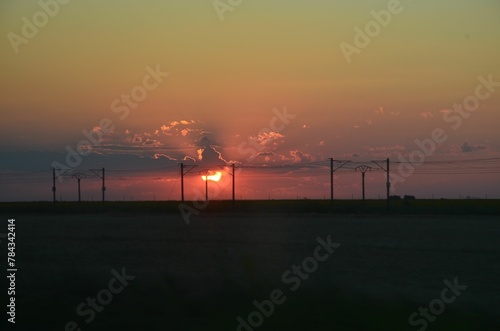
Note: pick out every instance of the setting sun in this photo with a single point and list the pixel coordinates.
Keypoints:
(215, 177)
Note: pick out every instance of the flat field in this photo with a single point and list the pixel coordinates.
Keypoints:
(205, 274)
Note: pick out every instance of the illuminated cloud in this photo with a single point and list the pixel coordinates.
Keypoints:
(181, 127)
(269, 139)
(298, 156)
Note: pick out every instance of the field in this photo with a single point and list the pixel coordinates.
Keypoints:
(205, 274)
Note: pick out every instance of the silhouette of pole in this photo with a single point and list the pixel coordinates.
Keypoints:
(206, 186)
(234, 175)
(387, 170)
(97, 172)
(183, 172)
(363, 184)
(388, 185)
(79, 192)
(341, 163)
(78, 177)
(54, 184)
(331, 181)
(103, 185)
(363, 169)
(182, 182)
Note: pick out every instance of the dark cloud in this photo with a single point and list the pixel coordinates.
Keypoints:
(211, 157)
(266, 154)
(466, 148)
(208, 155)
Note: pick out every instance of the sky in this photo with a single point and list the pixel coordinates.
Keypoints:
(276, 87)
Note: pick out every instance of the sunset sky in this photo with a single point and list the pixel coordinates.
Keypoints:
(270, 84)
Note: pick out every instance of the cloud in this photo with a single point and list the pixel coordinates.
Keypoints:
(466, 148)
(207, 154)
(426, 115)
(189, 158)
(293, 156)
(266, 137)
(152, 142)
(181, 127)
(266, 154)
(380, 111)
(298, 156)
(159, 155)
(385, 148)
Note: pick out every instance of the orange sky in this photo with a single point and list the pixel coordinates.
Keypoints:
(228, 81)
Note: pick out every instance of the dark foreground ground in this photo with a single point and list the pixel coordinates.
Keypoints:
(204, 275)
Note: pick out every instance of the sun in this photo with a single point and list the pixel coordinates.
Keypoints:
(215, 177)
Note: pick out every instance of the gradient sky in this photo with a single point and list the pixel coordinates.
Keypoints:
(225, 79)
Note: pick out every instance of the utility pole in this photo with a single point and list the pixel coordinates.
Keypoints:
(54, 177)
(103, 177)
(388, 184)
(183, 173)
(206, 188)
(363, 169)
(234, 175)
(331, 181)
(54, 184)
(78, 177)
(379, 163)
(206, 172)
(103, 185)
(341, 163)
(182, 182)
